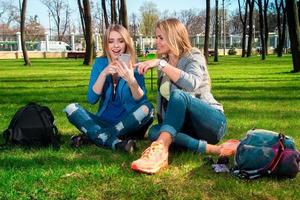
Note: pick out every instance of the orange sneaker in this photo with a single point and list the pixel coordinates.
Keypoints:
(153, 159)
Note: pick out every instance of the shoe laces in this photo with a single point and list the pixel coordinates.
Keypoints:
(153, 150)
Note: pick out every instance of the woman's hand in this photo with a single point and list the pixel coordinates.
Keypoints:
(229, 147)
(125, 71)
(143, 67)
(110, 69)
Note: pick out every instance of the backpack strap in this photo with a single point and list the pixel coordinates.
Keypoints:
(269, 168)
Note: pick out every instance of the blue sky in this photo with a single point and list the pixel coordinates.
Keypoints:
(35, 7)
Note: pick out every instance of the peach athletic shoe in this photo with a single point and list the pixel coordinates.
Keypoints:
(153, 159)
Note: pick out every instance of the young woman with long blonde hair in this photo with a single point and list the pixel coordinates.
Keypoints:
(188, 114)
(124, 111)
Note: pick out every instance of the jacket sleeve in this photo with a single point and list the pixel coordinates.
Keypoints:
(99, 65)
(141, 82)
(192, 73)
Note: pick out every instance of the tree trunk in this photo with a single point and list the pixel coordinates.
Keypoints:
(207, 28)
(244, 23)
(81, 12)
(105, 13)
(88, 59)
(123, 14)
(23, 17)
(266, 24)
(294, 32)
(249, 45)
(281, 22)
(283, 35)
(113, 11)
(216, 32)
(261, 30)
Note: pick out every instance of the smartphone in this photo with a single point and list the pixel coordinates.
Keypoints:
(125, 58)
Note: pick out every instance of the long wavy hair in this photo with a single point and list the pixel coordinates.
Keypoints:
(125, 35)
(176, 36)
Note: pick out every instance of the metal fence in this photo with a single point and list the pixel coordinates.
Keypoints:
(10, 42)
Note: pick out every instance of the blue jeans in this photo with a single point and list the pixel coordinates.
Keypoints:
(102, 133)
(191, 122)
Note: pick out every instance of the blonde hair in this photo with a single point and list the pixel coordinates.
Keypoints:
(125, 35)
(176, 36)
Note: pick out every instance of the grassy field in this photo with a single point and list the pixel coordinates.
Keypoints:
(254, 93)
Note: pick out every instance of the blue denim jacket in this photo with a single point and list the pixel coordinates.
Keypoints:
(127, 100)
(194, 79)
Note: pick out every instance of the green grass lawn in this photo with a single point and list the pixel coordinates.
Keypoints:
(254, 93)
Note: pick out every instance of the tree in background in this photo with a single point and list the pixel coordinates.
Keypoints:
(250, 30)
(105, 16)
(266, 24)
(34, 31)
(261, 30)
(85, 13)
(133, 27)
(281, 25)
(216, 54)
(113, 11)
(294, 32)
(207, 28)
(235, 26)
(60, 12)
(243, 18)
(97, 17)
(123, 17)
(23, 17)
(8, 14)
(150, 16)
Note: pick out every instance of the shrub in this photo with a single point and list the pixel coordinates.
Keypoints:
(232, 51)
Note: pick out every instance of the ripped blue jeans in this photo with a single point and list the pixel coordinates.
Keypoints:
(191, 122)
(133, 125)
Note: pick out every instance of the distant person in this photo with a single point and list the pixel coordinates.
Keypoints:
(188, 114)
(124, 111)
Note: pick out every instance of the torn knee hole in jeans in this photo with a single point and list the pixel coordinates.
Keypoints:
(141, 113)
(71, 108)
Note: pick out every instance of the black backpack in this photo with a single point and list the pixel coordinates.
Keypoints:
(32, 125)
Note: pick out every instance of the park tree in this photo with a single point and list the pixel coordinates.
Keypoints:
(235, 26)
(149, 17)
(33, 29)
(85, 13)
(22, 25)
(133, 27)
(266, 24)
(281, 25)
(113, 11)
(250, 30)
(216, 54)
(192, 19)
(243, 18)
(105, 16)
(294, 32)
(97, 17)
(207, 28)
(8, 14)
(60, 12)
(123, 17)
(261, 29)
